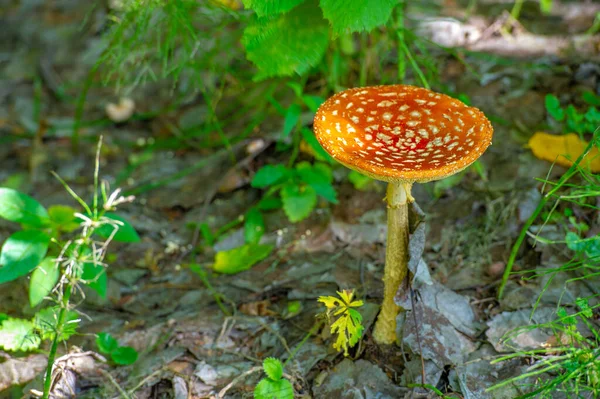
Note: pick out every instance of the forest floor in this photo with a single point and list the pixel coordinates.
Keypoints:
(188, 347)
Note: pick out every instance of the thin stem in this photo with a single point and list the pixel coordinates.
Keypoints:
(396, 260)
(59, 326)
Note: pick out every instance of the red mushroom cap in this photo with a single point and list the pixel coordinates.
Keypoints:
(401, 133)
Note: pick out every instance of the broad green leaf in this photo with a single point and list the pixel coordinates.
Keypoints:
(46, 322)
(106, 343)
(357, 15)
(43, 280)
(95, 276)
(298, 201)
(319, 178)
(292, 115)
(264, 8)
(553, 107)
(125, 232)
(313, 143)
(124, 355)
(21, 252)
(18, 335)
(254, 226)
(289, 43)
(242, 258)
(21, 208)
(269, 389)
(269, 175)
(273, 368)
(64, 217)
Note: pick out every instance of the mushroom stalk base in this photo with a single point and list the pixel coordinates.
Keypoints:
(396, 260)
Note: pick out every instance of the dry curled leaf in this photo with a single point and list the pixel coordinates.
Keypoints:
(120, 112)
(564, 150)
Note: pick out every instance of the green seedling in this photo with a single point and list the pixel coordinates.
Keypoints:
(273, 386)
(574, 120)
(57, 271)
(344, 319)
(121, 355)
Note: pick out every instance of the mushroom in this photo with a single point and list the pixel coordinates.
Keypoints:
(401, 135)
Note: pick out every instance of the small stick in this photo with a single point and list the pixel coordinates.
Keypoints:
(237, 379)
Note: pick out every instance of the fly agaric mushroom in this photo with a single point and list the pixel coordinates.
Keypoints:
(401, 135)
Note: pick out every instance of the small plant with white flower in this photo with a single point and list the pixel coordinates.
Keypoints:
(60, 261)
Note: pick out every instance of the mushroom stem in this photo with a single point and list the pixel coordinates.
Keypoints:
(396, 259)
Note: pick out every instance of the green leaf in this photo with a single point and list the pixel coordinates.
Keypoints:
(289, 43)
(43, 280)
(64, 217)
(269, 389)
(270, 7)
(254, 226)
(312, 141)
(269, 175)
(292, 115)
(95, 276)
(358, 180)
(546, 6)
(565, 317)
(18, 335)
(242, 258)
(348, 325)
(591, 98)
(298, 201)
(593, 116)
(21, 252)
(21, 208)
(106, 343)
(124, 355)
(584, 306)
(319, 177)
(553, 107)
(125, 232)
(357, 15)
(313, 102)
(269, 203)
(273, 368)
(46, 322)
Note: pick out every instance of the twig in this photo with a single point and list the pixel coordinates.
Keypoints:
(145, 380)
(115, 383)
(413, 304)
(237, 379)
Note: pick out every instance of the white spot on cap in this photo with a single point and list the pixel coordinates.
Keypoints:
(386, 103)
(349, 105)
(387, 116)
